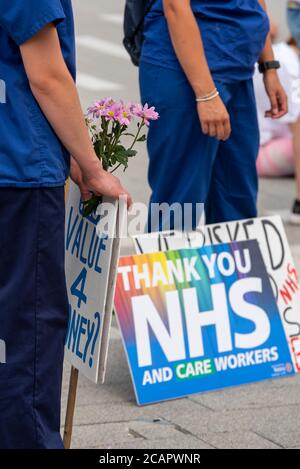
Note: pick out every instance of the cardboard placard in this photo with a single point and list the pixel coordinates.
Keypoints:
(91, 262)
(273, 243)
(199, 319)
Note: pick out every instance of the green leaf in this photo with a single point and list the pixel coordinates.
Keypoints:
(143, 138)
(127, 153)
(119, 148)
(91, 205)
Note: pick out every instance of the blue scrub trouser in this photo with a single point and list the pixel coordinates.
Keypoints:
(187, 166)
(33, 316)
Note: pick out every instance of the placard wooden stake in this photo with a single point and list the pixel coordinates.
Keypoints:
(70, 407)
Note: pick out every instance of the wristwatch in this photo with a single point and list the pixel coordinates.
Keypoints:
(271, 65)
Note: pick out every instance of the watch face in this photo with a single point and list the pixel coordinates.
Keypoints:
(274, 64)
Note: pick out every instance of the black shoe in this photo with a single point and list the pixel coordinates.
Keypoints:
(295, 214)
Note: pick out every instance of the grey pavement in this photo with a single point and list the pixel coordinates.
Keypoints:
(262, 415)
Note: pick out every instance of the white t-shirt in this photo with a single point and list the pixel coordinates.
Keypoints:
(289, 74)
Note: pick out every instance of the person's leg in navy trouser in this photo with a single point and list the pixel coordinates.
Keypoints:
(33, 316)
(234, 183)
(186, 166)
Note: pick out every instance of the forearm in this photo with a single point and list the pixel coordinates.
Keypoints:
(188, 46)
(267, 53)
(60, 103)
(55, 91)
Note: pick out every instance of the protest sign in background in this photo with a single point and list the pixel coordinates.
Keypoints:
(92, 250)
(196, 320)
(273, 243)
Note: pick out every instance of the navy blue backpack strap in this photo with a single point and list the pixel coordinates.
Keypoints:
(134, 17)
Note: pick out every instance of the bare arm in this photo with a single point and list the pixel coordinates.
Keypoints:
(188, 45)
(181, 19)
(54, 89)
(267, 54)
(274, 89)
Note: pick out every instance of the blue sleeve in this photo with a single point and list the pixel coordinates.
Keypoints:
(22, 19)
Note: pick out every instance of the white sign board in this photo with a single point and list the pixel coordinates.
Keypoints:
(92, 252)
(271, 236)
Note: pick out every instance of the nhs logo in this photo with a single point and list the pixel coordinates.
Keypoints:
(2, 92)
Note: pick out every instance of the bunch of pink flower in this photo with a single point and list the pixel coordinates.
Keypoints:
(120, 112)
(108, 123)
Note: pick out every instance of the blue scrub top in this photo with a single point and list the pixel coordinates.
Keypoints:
(233, 32)
(31, 155)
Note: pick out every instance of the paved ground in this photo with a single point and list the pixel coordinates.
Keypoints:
(264, 415)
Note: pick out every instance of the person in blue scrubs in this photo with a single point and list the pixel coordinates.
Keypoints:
(196, 68)
(41, 125)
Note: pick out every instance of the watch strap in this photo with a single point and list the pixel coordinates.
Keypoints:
(271, 65)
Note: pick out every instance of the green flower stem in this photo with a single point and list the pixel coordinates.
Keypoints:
(138, 134)
(115, 169)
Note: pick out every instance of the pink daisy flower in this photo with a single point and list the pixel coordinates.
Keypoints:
(145, 112)
(99, 108)
(125, 115)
